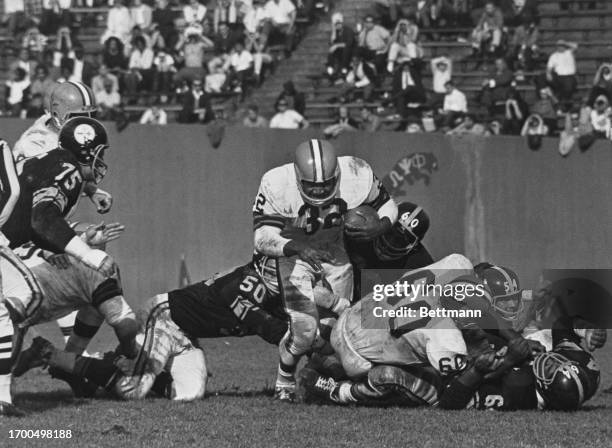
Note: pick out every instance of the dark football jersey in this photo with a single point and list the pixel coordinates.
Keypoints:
(53, 178)
(235, 303)
(513, 391)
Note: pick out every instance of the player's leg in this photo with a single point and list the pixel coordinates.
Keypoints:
(296, 280)
(20, 297)
(87, 322)
(343, 342)
(66, 325)
(189, 375)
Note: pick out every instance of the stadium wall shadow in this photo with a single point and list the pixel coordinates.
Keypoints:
(490, 198)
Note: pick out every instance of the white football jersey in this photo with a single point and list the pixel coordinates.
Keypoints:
(280, 204)
(38, 139)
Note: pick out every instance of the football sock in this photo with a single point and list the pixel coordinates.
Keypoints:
(345, 393)
(6, 348)
(286, 366)
(66, 324)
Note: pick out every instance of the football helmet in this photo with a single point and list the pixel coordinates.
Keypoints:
(87, 140)
(317, 171)
(411, 226)
(71, 99)
(565, 378)
(505, 289)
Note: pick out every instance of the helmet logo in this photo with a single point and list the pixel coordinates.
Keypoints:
(84, 134)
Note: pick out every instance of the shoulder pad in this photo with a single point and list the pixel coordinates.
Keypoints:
(279, 186)
(355, 180)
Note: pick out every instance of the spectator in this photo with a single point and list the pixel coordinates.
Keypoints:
(286, 118)
(523, 48)
(63, 46)
(602, 84)
(35, 42)
(224, 42)
(361, 77)
(253, 119)
(55, 14)
(442, 71)
(156, 40)
(140, 68)
(16, 18)
(403, 45)
(17, 92)
(600, 117)
(343, 123)
(228, 11)
(253, 19)
(108, 100)
(193, 58)
(408, 89)
(164, 17)
(373, 41)
(535, 130)
(280, 21)
(163, 72)
(496, 88)
(25, 62)
(194, 13)
(141, 14)
(486, 37)
(570, 134)
(467, 125)
(546, 108)
(42, 83)
(429, 13)
(81, 70)
(36, 107)
(370, 122)
(454, 105)
(295, 99)
(388, 11)
(196, 105)
(458, 13)
(104, 74)
(561, 72)
(118, 23)
(342, 42)
(216, 80)
(261, 58)
(522, 13)
(515, 113)
(113, 56)
(239, 67)
(154, 115)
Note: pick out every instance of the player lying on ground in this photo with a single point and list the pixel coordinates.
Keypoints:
(170, 361)
(297, 217)
(50, 188)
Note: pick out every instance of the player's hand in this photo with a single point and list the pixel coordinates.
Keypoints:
(102, 200)
(103, 233)
(488, 361)
(59, 261)
(368, 231)
(519, 350)
(315, 257)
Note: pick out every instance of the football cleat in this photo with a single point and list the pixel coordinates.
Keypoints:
(10, 410)
(285, 394)
(36, 355)
(413, 389)
(315, 387)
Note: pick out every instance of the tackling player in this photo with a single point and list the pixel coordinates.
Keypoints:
(66, 100)
(297, 217)
(235, 303)
(50, 187)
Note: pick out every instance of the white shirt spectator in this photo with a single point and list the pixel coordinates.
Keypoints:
(11, 6)
(563, 63)
(281, 13)
(118, 24)
(214, 82)
(16, 89)
(241, 61)
(104, 98)
(254, 18)
(440, 77)
(194, 15)
(455, 101)
(154, 116)
(164, 62)
(142, 15)
(288, 119)
(141, 60)
(601, 122)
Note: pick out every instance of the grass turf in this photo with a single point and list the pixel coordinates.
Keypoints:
(240, 412)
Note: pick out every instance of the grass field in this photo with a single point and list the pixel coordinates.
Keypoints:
(239, 412)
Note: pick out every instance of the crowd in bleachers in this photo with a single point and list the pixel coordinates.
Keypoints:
(148, 54)
(381, 58)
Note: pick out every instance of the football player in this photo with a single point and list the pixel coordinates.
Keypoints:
(297, 218)
(65, 100)
(50, 187)
(235, 303)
